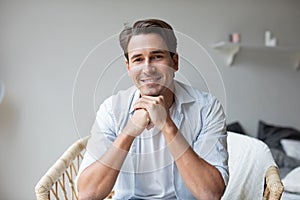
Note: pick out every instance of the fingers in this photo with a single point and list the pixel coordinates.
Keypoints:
(150, 126)
(148, 102)
(155, 106)
(137, 123)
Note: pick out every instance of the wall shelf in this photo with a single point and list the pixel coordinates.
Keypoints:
(231, 50)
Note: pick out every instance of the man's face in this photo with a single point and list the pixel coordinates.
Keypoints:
(150, 64)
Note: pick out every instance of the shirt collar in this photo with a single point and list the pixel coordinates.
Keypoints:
(135, 97)
(182, 95)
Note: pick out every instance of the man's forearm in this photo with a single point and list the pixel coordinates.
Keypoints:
(97, 180)
(202, 179)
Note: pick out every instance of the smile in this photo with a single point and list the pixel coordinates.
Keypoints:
(150, 80)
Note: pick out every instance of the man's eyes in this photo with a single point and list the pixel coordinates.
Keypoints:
(158, 57)
(154, 57)
(136, 60)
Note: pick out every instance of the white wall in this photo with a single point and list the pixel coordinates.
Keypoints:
(43, 44)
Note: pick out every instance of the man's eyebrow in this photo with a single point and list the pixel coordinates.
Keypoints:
(158, 51)
(135, 56)
(152, 52)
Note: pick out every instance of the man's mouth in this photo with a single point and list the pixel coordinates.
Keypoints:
(150, 80)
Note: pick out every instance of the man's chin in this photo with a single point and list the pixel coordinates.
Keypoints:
(150, 92)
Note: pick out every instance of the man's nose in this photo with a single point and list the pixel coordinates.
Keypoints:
(148, 66)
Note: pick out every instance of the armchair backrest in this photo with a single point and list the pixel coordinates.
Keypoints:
(251, 167)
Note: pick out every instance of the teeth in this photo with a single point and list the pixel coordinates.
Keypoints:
(149, 80)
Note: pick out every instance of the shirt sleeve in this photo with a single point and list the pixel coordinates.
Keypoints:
(102, 136)
(211, 143)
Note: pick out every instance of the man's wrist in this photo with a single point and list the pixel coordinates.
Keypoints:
(169, 129)
(132, 129)
(124, 141)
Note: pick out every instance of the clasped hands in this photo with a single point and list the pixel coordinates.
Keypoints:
(149, 112)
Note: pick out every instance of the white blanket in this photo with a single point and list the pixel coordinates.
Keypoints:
(249, 159)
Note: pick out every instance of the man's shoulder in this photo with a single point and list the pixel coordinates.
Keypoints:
(126, 93)
(121, 99)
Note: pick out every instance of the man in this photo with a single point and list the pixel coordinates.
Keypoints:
(160, 139)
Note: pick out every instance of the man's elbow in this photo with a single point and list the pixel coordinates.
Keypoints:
(217, 195)
(88, 191)
(210, 194)
(89, 194)
(83, 195)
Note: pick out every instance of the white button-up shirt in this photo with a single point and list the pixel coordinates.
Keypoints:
(149, 171)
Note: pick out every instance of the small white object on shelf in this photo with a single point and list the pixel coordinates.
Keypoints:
(269, 41)
(230, 50)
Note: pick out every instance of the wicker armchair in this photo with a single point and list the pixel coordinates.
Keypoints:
(58, 182)
(252, 169)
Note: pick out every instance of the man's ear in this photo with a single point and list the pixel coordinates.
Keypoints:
(175, 61)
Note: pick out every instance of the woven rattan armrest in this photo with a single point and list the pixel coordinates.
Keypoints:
(273, 184)
(61, 175)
